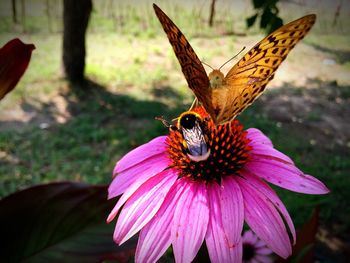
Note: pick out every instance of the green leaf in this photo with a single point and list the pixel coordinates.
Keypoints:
(59, 222)
(277, 22)
(266, 18)
(251, 20)
(258, 3)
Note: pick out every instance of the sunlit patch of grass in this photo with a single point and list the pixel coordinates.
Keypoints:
(128, 62)
(132, 74)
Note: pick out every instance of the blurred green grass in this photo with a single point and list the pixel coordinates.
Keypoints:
(133, 77)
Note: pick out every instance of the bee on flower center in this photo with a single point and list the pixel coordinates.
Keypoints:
(192, 127)
(202, 151)
(192, 130)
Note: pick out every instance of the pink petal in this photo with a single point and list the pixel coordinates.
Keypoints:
(285, 175)
(262, 146)
(190, 222)
(257, 137)
(263, 251)
(137, 174)
(260, 244)
(264, 220)
(155, 237)
(14, 60)
(269, 153)
(143, 205)
(141, 153)
(249, 237)
(232, 209)
(219, 248)
(267, 191)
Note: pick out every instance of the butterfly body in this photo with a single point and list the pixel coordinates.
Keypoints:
(224, 97)
(216, 79)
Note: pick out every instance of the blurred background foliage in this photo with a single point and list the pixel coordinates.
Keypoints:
(137, 18)
(267, 13)
(51, 130)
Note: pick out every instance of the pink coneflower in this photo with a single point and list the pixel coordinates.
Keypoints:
(255, 250)
(176, 201)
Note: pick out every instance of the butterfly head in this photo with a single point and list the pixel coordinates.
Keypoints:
(216, 78)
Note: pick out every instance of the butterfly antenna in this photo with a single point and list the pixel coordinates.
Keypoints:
(232, 57)
(207, 65)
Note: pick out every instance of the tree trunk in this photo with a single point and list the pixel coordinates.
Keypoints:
(14, 12)
(337, 13)
(76, 16)
(212, 13)
(23, 14)
(48, 14)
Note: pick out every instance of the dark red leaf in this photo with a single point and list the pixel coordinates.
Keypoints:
(14, 60)
(59, 222)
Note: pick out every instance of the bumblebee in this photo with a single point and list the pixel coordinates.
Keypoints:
(192, 127)
(193, 130)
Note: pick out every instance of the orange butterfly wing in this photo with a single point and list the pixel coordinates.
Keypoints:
(191, 66)
(246, 81)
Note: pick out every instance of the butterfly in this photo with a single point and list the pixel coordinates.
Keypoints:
(224, 97)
